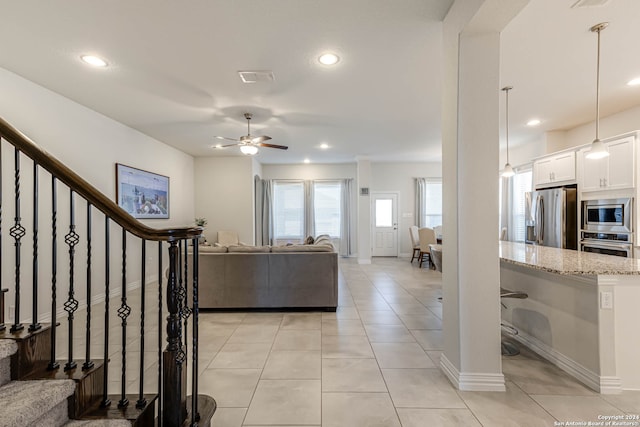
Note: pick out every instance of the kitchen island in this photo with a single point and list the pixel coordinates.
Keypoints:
(581, 312)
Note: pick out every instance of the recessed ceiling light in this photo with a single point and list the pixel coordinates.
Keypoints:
(634, 82)
(533, 122)
(324, 145)
(94, 60)
(307, 161)
(328, 59)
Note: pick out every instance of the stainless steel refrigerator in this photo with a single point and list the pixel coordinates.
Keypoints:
(551, 218)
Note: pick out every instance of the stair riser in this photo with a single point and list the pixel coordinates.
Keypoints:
(88, 391)
(32, 351)
(5, 371)
(56, 417)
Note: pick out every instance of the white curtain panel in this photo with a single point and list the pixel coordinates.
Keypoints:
(421, 190)
(345, 219)
(309, 213)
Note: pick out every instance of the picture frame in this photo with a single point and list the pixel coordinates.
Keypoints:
(143, 194)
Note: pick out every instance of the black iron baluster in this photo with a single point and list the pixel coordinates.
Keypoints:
(88, 364)
(71, 305)
(141, 400)
(160, 334)
(195, 416)
(53, 364)
(180, 294)
(34, 294)
(174, 379)
(107, 283)
(17, 232)
(186, 311)
(123, 312)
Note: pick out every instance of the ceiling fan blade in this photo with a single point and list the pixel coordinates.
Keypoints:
(225, 138)
(259, 139)
(231, 145)
(281, 147)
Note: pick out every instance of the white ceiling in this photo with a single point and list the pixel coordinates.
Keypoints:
(173, 69)
(549, 57)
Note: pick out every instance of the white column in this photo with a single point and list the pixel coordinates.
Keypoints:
(364, 211)
(471, 93)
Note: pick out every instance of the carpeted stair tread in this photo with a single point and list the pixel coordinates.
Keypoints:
(98, 423)
(26, 403)
(7, 348)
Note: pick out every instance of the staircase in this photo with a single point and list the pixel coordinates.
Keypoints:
(83, 348)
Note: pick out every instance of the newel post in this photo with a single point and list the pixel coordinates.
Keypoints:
(174, 359)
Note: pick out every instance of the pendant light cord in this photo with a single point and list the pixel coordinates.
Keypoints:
(598, 88)
(507, 119)
(597, 29)
(507, 89)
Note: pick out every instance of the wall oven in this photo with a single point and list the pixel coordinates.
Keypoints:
(618, 244)
(607, 215)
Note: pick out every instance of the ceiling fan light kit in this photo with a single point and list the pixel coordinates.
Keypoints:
(249, 144)
(249, 150)
(598, 149)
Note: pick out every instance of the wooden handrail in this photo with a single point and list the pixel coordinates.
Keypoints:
(89, 192)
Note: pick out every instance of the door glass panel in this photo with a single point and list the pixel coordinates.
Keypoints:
(384, 213)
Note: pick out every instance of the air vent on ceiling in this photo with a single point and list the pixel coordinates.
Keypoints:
(256, 76)
(590, 3)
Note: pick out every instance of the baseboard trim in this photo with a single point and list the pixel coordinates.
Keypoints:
(601, 384)
(471, 382)
(95, 299)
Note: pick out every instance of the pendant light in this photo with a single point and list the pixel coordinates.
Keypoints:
(508, 170)
(598, 149)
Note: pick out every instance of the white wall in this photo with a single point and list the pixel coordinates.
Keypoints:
(90, 144)
(550, 142)
(309, 171)
(616, 124)
(224, 191)
(400, 177)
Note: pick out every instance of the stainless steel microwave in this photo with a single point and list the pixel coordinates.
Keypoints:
(608, 215)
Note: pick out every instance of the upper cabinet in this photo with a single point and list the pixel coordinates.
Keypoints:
(613, 172)
(556, 169)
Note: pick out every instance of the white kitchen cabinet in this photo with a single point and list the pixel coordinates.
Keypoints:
(615, 171)
(556, 169)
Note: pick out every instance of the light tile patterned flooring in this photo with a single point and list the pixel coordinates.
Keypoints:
(374, 362)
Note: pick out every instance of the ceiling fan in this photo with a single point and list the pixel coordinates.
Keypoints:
(249, 144)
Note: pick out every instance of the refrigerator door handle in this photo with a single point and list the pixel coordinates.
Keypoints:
(541, 221)
(537, 219)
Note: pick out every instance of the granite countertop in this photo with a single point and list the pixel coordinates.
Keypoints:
(567, 262)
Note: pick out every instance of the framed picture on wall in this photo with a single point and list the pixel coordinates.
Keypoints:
(142, 194)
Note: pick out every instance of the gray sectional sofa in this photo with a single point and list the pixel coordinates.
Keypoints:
(264, 277)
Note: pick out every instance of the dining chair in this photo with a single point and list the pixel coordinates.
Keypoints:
(415, 242)
(427, 237)
(503, 233)
(438, 230)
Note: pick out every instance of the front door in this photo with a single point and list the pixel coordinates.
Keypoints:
(384, 215)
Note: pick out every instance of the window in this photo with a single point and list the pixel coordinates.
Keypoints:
(521, 183)
(432, 203)
(288, 210)
(327, 208)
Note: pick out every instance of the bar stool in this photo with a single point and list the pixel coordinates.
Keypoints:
(510, 349)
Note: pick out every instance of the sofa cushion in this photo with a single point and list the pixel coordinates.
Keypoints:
(303, 248)
(245, 249)
(212, 249)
